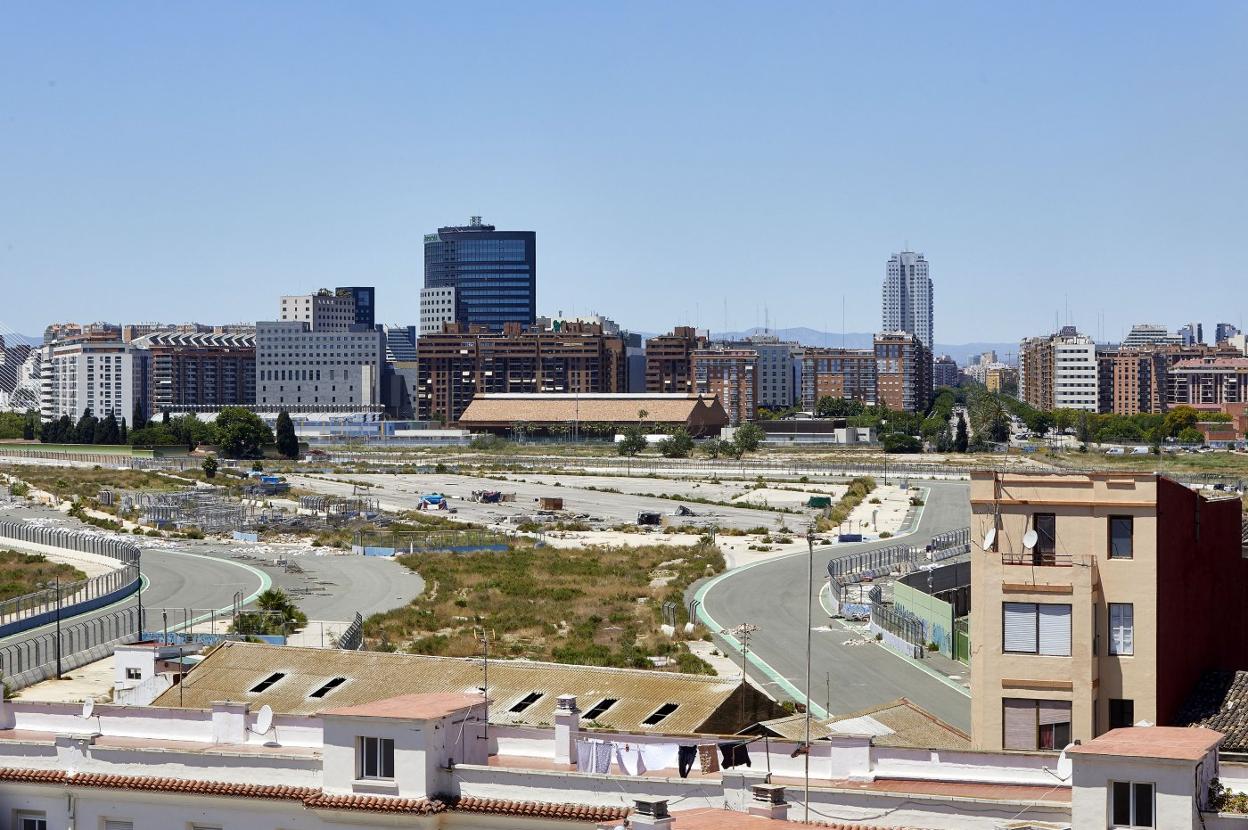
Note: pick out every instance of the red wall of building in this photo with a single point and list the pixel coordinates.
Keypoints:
(1202, 592)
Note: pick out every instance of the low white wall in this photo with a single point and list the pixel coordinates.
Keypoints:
(950, 765)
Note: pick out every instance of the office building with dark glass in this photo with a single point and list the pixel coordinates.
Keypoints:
(493, 274)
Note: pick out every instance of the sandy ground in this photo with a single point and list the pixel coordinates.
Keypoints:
(94, 680)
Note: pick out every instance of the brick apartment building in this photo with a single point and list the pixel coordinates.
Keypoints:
(732, 376)
(837, 373)
(1208, 381)
(669, 367)
(177, 370)
(461, 361)
(1132, 586)
(903, 372)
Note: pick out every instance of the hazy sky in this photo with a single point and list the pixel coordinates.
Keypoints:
(181, 161)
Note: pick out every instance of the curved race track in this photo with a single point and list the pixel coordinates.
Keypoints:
(772, 595)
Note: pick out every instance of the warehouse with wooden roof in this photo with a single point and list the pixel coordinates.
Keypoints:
(701, 415)
(305, 681)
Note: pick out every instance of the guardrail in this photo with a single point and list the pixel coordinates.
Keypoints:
(34, 658)
(352, 639)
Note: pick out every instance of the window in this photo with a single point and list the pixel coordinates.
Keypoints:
(1131, 804)
(598, 708)
(111, 824)
(1121, 713)
(375, 758)
(264, 684)
(1045, 525)
(1031, 628)
(133, 673)
(659, 714)
(31, 821)
(526, 701)
(1120, 536)
(1031, 725)
(329, 686)
(1121, 628)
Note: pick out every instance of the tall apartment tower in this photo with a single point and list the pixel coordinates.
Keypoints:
(491, 276)
(908, 297)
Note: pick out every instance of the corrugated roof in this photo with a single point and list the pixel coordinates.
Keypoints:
(558, 408)
(231, 670)
(910, 726)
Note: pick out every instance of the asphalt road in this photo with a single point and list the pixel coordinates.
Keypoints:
(772, 596)
(194, 579)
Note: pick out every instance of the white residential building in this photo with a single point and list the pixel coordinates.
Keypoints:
(1151, 334)
(428, 761)
(323, 311)
(908, 297)
(78, 375)
(437, 306)
(300, 367)
(1075, 372)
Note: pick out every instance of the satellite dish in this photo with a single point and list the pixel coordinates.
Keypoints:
(264, 719)
(1030, 538)
(989, 538)
(1064, 766)
(88, 708)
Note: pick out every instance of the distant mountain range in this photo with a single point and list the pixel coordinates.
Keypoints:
(960, 352)
(12, 338)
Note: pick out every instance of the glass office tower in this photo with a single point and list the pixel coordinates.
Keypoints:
(493, 272)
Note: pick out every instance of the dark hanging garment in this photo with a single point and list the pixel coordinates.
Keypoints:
(734, 754)
(688, 756)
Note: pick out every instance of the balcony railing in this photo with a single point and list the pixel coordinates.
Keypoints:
(1036, 557)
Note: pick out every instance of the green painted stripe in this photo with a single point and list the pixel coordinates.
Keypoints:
(266, 582)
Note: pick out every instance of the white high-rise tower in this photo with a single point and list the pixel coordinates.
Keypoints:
(908, 297)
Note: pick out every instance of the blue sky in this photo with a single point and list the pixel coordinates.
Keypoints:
(194, 161)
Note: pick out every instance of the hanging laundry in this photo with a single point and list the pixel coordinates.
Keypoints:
(584, 755)
(602, 757)
(629, 759)
(708, 758)
(687, 755)
(734, 754)
(659, 756)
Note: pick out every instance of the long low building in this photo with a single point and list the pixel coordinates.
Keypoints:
(305, 681)
(702, 415)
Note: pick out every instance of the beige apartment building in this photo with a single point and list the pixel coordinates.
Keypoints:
(1099, 600)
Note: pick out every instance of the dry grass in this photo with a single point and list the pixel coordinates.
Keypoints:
(21, 573)
(590, 606)
(66, 481)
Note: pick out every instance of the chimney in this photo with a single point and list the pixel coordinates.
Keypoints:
(769, 802)
(567, 726)
(650, 814)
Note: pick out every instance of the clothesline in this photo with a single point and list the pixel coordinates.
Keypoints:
(598, 756)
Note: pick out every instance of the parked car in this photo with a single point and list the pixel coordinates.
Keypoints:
(1115, 451)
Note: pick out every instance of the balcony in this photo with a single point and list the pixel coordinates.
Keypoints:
(1052, 559)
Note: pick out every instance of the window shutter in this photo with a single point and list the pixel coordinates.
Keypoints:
(1054, 711)
(1020, 724)
(1054, 628)
(1020, 626)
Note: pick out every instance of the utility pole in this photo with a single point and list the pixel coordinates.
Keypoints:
(483, 637)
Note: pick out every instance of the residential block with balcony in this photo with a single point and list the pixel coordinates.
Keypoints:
(1099, 601)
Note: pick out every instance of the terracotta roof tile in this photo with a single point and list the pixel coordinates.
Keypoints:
(315, 799)
(182, 785)
(1178, 743)
(411, 707)
(537, 809)
(375, 804)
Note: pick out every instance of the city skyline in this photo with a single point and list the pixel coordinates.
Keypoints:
(1049, 159)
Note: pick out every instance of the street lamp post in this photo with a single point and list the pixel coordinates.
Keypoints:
(742, 633)
(883, 425)
(810, 590)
